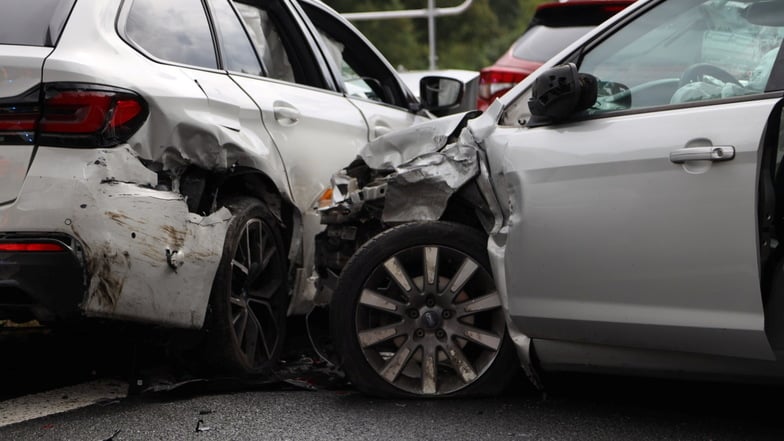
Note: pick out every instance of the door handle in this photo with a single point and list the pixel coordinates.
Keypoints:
(286, 114)
(713, 153)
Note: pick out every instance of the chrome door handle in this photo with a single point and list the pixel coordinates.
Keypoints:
(714, 153)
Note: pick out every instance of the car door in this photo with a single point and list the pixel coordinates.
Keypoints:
(315, 128)
(636, 225)
(366, 78)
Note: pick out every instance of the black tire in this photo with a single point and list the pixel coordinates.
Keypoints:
(246, 321)
(394, 342)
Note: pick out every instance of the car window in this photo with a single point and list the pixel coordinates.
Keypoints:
(174, 30)
(268, 42)
(682, 52)
(236, 49)
(38, 24)
(356, 85)
(364, 74)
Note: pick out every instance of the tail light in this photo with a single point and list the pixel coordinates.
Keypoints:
(72, 115)
(495, 82)
(31, 247)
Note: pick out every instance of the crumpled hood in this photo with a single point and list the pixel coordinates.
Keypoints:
(391, 150)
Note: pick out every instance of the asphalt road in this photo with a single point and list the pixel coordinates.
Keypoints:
(575, 407)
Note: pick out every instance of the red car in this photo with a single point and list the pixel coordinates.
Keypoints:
(553, 27)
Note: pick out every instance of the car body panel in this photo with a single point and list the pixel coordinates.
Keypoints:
(693, 285)
(612, 253)
(129, 232)
(149, 252)
(19, 73)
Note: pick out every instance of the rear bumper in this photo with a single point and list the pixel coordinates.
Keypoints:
(46, 286)
(127, 232)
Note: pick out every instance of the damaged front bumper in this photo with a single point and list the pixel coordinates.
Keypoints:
(390, 184)
(135, 252)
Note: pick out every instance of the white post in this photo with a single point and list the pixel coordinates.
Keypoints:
(430, 13)
(431, 33)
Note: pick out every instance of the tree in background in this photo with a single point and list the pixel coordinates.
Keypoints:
(471, 40)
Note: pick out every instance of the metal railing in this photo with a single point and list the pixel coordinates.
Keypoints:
(431, 12)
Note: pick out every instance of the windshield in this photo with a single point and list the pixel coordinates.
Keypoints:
(540, 43)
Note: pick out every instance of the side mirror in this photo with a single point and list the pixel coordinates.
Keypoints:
(559, 93)
(440, 94)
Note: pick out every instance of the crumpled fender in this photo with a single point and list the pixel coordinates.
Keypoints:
(391, 150)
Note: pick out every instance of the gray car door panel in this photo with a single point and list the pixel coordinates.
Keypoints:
(611, 242)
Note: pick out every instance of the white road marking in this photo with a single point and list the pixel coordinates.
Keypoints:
(28, 407)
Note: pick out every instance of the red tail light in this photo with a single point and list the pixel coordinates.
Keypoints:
(82, 115)
(495, 82)
(32, 247)
(72, 115)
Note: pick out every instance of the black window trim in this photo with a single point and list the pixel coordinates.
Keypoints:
(411, 103)
(217, 38)
(120, 25)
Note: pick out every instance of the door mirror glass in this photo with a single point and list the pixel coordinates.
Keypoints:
(440, 93)
(559, 93)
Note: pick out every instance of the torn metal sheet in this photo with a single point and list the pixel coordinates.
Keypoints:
(433, 178)
(130, 234)
(411, 176)
(128, 251)
(388, 151)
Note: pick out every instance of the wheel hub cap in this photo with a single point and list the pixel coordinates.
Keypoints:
(431, 320)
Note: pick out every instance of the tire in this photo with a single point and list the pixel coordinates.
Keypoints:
(402, 330)
(246, 321)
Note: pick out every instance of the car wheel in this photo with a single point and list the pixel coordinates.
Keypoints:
(416, 313)
(246, 322)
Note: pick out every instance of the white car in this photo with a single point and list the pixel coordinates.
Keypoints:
(159, 160)
(620, 210)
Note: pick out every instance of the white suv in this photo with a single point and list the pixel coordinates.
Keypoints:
(158, 159)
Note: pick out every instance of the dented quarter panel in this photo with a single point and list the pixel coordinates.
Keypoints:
(103, 198)
(183, 128)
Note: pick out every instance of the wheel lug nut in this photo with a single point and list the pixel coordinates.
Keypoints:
(419, 333)
(430, 302)
(413, 313)
(441, 334)
(447, 314)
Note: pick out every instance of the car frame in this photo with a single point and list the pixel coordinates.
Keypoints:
(170, 180)
(610, 248)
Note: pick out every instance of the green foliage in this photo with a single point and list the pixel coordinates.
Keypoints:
(472, 40)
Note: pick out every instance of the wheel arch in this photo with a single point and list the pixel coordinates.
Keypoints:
(206, 190)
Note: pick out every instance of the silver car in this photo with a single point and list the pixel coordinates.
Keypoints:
(618, 211)
(159, 160)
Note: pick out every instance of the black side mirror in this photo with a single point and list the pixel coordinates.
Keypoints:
(559, 93)
(439, 94)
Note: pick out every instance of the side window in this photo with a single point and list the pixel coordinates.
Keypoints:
(174, 30)
(363, 73)
(356, 85)
(268, 42)
(236, 49)
(682, 52)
